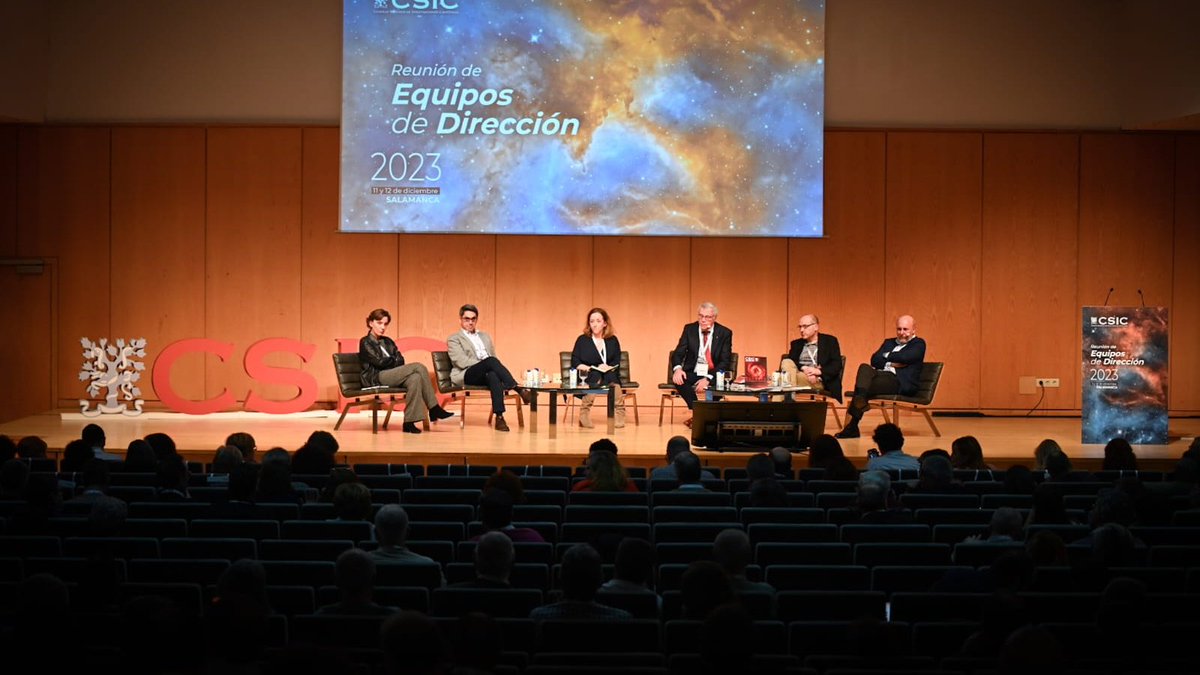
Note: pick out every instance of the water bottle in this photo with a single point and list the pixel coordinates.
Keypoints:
(574, 378)
(720, 379)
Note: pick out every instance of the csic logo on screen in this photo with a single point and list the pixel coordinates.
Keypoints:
(416, 6)
(1110, 321)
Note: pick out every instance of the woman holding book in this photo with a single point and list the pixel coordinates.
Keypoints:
(597, 359)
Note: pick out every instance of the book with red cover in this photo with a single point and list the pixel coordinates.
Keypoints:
(756, 371)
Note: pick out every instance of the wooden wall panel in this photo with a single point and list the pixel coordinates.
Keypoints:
(253, 249)
(1030, 314)
(840, 277)
(343, 276)
(747, 279)
(933, 251)
(8, 191)
(1126, 219)
(64, 214)
(543, 285)
(27, 313)
(1184, 385)
(157, 232)
(645, 284)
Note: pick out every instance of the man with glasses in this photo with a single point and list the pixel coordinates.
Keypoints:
(815, 359)
(704, 348)
(474, 359)
(895, 368)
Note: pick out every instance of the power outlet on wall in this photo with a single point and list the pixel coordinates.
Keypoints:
(1048, 382)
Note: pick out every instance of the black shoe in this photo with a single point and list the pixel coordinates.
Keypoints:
(524, 393)
(437, 412)
(411, 428)
(501, 425)
(849, 432)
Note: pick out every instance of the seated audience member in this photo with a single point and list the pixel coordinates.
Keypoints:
(1048, 507)
(1182, 480)
(318, 455)
(354, 575)
(676, 445)
(687, 468)
(634, 568)
(703, 588)
(164, 445)
(1046, 549)
(31, 447)
(243, 442)
(781, 458)
(933, 452)
(606, 444)
(140, 458)
(107, 517)
(1118, 456)
(1059, 469)
(352, 502)
(494, 558)
(1043, 450)
(243, 481)
(890, 441)
(581, 577)
(841, 468)
(173, 478)
(13, 475)
(1018, 480)
(966, 454)
(824, 450)
(1006, 527)
(731, 550)
(391, 531)
(338, 476)
(509, 482)
(937, 477)
(93, 481)
(496, 513)
(43, 501)
(75, 455)
(768, 492)
(275, 479)
(605, 474)
(93, 435)
(876, 503)
(224, 460)
(413, 644)
(759, 466)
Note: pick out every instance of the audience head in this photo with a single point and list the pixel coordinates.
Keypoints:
(75, 455)
(933, 452)
(107, 517)
(322, 440)
(495, 509)
(967, 453)
(676, 445)
(1118, 456)
(874, 489)
(731, 550)
(606, 472)
(243, 482)
(173, 473)
(582, 573)
(13, 475)
(226, 459)
(244, 579)
(244, 442)
(759, 465)
(888, 438)
(841, 468)
(494, 556)
(509, 482)
(1007, 522)
(164, 445)
(354, 573)
(1187, 470)
(391, 525)
(140, 457)
(1113, 546)
(1058, 466)
(936, 472)
(93, 435)
(1112, 506)
(1046, 549)
(31, 447)
(824, 450)
(1122, 607)
(1018, 480)
(782, 460)
(338, 476)
(634, 561)
(687, 468)
(8, 448)
(352, 501)
(1043, 451)
(703, 588)
(768, 492)
(606, 444)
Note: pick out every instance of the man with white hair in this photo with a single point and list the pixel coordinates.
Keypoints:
(705, 348)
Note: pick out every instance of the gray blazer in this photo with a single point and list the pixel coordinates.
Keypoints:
(462, 353)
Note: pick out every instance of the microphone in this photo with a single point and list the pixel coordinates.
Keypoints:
(1142, 297)
(1108, 296)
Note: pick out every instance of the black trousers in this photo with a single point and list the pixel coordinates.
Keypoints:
(493, 375)
(868, 384)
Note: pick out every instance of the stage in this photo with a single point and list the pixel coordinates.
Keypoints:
(1005, 440)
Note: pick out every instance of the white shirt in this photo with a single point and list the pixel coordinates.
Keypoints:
(888, 367)
(480, 350)
(600, 347)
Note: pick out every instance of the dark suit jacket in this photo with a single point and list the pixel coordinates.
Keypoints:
(829, 358)
(912, 356)
(585, 353)
(688, 349)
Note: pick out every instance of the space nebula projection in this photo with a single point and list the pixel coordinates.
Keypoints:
(1125, 374)
(596, 117)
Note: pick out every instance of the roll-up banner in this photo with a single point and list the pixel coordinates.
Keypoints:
(1125, 374)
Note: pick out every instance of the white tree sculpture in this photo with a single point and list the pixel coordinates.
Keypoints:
(112, 367)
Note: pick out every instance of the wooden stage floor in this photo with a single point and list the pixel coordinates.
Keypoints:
(1005, 440)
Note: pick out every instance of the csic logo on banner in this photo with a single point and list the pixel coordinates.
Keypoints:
(416, 6)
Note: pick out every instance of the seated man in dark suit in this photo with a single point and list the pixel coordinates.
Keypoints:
(705, 348)
(815, 359)
(895, 368)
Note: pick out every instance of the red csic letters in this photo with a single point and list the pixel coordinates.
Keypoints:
(255, 368)
(161, 377)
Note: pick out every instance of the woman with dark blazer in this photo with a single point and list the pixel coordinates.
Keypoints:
(597, 359)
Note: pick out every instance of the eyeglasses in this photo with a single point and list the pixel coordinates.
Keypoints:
(469, 318)
(707, 317)
(806, 325)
